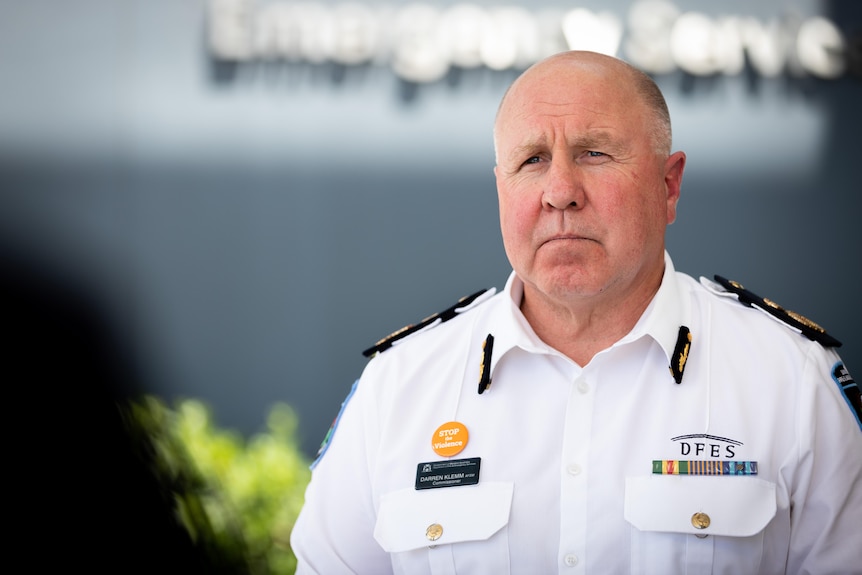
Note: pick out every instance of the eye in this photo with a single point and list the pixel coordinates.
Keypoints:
(532, 160)
(594, 157)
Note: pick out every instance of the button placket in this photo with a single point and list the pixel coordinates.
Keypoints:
(576, 456)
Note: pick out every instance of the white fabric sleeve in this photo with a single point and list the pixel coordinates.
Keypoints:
(826, 501)
(334, 531)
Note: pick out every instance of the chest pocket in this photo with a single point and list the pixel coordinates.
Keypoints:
(436, 530)
(696, 525)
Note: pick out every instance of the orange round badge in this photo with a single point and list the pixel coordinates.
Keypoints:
(450, 439)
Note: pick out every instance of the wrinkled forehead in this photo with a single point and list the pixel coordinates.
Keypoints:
(582, 106)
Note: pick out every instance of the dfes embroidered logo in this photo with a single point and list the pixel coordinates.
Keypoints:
(704, 445)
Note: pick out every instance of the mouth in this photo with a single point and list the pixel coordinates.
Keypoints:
(566, 238)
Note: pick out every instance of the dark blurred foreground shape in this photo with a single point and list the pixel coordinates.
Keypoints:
(110, 480)
(81, 484)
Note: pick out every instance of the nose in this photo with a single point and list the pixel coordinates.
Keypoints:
(564, 186)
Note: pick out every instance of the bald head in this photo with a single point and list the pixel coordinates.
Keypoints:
(565, 69)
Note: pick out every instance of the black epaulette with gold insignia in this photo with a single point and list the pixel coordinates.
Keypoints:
(463, 305)
(808, 328)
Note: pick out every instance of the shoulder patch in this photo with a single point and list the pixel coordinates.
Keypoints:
(463, 304)
(797, 321)
(324, 445)
(849, 390)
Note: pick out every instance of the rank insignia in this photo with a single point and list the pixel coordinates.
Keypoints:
(680, 353)
(485, 368)
(797, 321)
(463, 304)
(696, 467)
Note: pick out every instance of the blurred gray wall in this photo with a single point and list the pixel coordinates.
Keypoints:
(251, 229)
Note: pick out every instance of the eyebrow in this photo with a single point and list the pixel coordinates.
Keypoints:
(596, 139)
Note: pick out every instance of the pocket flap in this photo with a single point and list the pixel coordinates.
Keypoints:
(468, 513)
(735, 506)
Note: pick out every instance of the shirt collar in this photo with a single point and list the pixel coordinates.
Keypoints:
(665, 314)
(661, 320)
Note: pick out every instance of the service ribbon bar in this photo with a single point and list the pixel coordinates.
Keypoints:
(683, 467)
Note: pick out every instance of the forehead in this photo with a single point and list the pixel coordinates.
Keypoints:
(573, 96)
(580, 118)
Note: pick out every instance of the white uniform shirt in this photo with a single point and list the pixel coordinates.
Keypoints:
(566, 482)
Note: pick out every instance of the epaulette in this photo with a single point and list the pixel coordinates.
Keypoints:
(799, 322)
(463, 304)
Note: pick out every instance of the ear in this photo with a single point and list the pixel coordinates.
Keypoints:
(674, 166)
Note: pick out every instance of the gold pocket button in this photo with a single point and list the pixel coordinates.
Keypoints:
(700, 520)
(434, 531)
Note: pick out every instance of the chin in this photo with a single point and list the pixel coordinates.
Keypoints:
(567, 285)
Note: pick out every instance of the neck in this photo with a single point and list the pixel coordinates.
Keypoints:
(582, 327)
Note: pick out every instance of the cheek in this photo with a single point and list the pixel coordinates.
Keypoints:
(515, 217)
(516, 222)
(634, 205)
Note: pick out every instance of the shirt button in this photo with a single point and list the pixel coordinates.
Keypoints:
(571, 560)
(574, 469)
(583, 386)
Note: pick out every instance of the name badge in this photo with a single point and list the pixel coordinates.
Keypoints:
(450, 473)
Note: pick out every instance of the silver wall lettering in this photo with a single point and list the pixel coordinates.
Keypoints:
(421, 42)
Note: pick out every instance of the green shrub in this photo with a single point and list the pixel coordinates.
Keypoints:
(237, 499)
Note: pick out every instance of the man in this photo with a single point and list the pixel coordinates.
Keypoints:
(627, 418)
